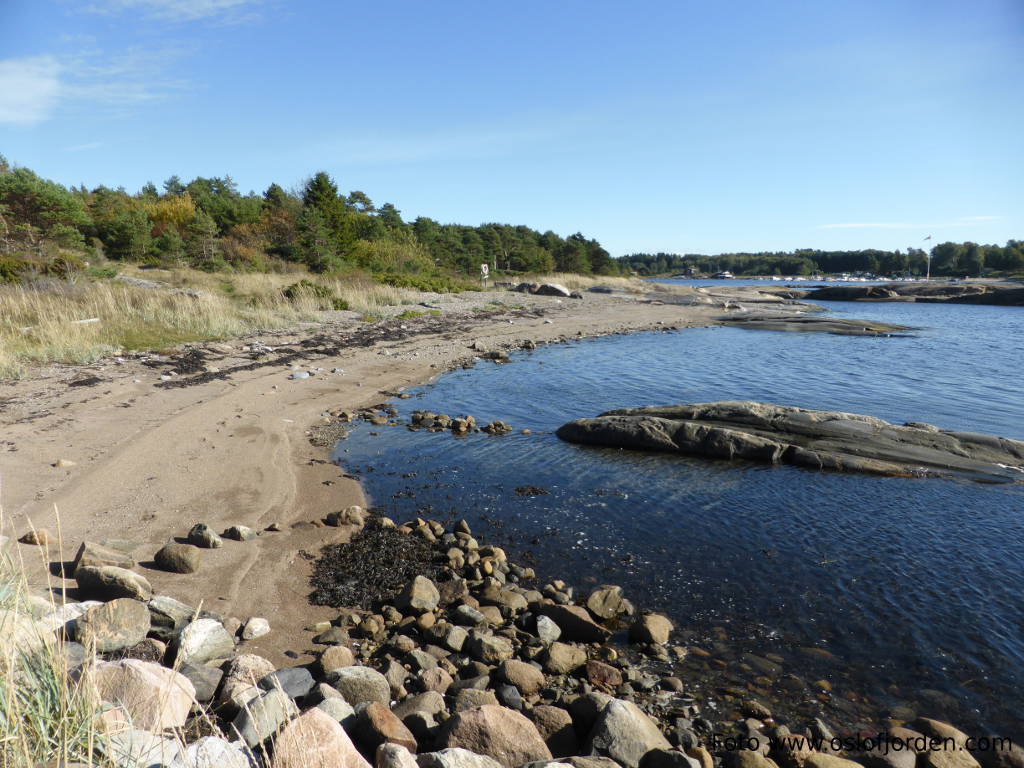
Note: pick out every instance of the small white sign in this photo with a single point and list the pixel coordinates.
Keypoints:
(484, 270)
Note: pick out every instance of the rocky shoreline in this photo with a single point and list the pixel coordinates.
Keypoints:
(462, 660)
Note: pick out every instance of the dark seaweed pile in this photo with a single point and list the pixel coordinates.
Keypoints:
(371, 568)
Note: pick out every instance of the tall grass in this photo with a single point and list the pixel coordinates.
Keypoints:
(46, 712)
(576, 282)
(41, 322)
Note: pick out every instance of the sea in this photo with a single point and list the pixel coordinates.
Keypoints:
(866, 599)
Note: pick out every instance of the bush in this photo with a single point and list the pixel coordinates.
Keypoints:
(326, 297)
(430, 283)
(11, 269)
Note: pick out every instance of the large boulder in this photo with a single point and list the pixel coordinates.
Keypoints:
(556, 728)
(455, 757)
(213, 752)
(376, 725)
(19, 632)
(625, 734)
(807, 438)
(108, 627)
(490, 649)
(418, 596)
(96, 555)
(261, 717)
(526, 677)
(178, 558)
(496, 732)
(650, 628)
(575, 623)
(564, 658)
(605, 601)
(154, 696)
(108, 582)
(315, 739)
(136, 748)
(360, 684)
(204, 640)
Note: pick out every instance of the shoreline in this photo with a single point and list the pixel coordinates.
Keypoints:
(143, 458)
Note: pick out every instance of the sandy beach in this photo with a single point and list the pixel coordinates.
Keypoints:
(151, 458)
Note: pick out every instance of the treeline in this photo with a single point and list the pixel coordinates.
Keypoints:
(208, 224)
(948, 259)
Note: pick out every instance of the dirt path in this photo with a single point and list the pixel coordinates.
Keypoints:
(231, 445)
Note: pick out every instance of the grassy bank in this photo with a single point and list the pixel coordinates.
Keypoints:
(55, 320)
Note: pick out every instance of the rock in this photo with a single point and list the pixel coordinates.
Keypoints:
(822, 760)
(376, 725)
(394, 756)
(435, 680)
(154, 697)
(552, 289)
(203, 536)
(22, 633)
(496, 732)
(455, 757)
(360, 684)
(178, 558)
(109, 582)
(489, 649)
(603, 676)
(555, 726)
(240, 533)
(255, 627)
(625, 734)
(107, 627)
(203, 640)
(939, 758)
(650, 628)
(576, 624)
(605, 602)
(139, 749)
(338, 708)
(547, 630)
(525, 677)
(260, 718)
(471, 698)
(563, 658)
(213, 752)
(204, 679)
(812, 439)
(169, 616)
(667, 758)
(295, 681)
(39, 537)
(336, 657)
(430, 702)
(793, 750)
(92, 554)
(1002, 756)
(747, 758)
(315, 740)
(240, 678)
(937, 729)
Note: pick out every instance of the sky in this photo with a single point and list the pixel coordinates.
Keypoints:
(683, 126)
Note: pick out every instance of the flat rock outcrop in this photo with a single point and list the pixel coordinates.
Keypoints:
(1002, 294)
(814, 439)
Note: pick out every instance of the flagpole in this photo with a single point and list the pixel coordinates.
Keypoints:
(928, 262)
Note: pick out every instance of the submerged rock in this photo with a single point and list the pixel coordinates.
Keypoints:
(814, 439)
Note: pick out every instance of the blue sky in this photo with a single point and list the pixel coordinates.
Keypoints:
(684, 126)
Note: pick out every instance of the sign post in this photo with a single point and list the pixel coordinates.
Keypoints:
(484, 273)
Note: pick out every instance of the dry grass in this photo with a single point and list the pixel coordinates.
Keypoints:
(576, 282)
(39, 321)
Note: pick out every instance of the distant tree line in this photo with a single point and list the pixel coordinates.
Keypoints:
(208, 224)
(948, 259)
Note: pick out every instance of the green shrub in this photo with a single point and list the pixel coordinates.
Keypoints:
(102, 273)
(430, 283)
(11, 269)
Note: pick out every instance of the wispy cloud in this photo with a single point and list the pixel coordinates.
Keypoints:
(181, 10)
(29, 89)
(961, 221)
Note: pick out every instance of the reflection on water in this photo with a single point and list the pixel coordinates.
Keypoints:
(914, 585)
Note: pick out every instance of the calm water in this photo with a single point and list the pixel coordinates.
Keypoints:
(915, 586)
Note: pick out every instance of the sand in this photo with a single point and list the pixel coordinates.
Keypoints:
(150, 460)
